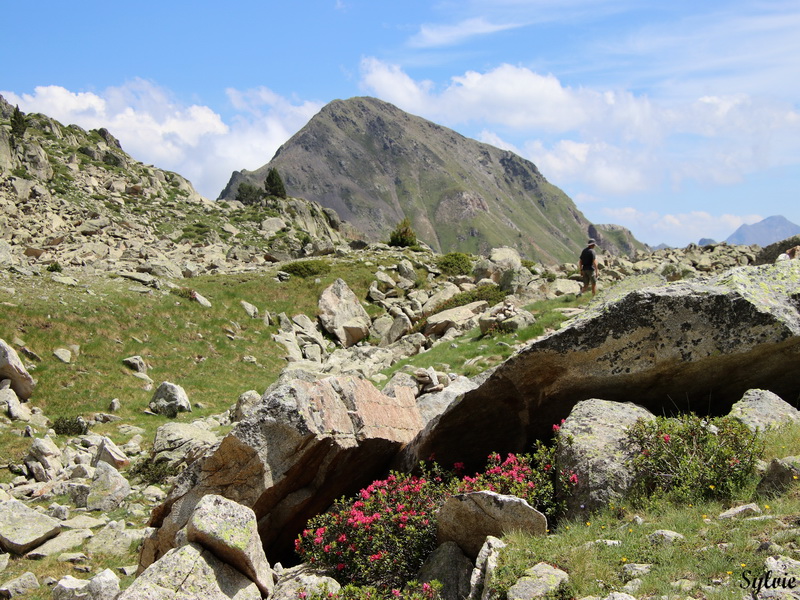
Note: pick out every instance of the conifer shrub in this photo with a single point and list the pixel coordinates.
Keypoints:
(151, 472)
(249, 194)
(307, 268)
(689, 458)
(273, 184)
(455, 263)
(70, 426)
(403, 235)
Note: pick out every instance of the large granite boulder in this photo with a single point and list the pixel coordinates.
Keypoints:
(11, 367)
(342, 315)
(169, 399)
(468, 519)
(592, 444)
(307, 444)
(690, 345)
(762, 409)
(230, 531)
(448, 565)
(22, 529)
(177, 443)
(191, 572)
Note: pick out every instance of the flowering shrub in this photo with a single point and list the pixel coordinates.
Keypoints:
(382, 537)
(411, 591)
(687, 457)
(530, 477)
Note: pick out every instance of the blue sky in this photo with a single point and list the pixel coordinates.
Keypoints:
(679, 120)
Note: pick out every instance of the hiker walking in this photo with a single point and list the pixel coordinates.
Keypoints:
(587, 264)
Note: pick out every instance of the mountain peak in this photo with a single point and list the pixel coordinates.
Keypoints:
(765, 232)
(375, 164)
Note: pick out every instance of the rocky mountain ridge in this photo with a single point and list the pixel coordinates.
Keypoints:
(768, 231)
(75, 198)
(376, 164)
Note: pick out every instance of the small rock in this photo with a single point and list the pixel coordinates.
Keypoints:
(135, 363)
(24, 584)
(664, 536)
(63, 355)
(738, 511)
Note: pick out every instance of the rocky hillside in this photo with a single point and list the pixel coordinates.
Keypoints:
(375, 165)
(76, 198)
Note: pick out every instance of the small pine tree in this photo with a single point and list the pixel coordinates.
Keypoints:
(274, 184)
(247, 193)
(403, 235)
(18, 125)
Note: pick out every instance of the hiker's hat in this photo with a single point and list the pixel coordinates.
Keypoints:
(591, 241)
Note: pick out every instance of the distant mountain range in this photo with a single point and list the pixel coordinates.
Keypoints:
(375, 165)
(770, 230)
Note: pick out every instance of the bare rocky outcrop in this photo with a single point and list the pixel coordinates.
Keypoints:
(468, 519)
(22, 528)
(342, 315)
(762, 409)
(230, 531)
(307, 444)
(696, 344)
(191, 569)
(12, 368)
(592, 443)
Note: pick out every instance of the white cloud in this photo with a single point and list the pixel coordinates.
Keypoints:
(614, 140)
(191, 140)
(491, 138)
(679, 229)
(448, 35)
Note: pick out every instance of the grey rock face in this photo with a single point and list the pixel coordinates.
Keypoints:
(342, 315)
(680, 343)
(191, 572)
(19, 586)
(108, 490)
(22, 529)
(539, 581)
(230, 531)
(468, 519)
(11, 367)
(63, 542)
(448, 565)
(762, 409)
(780, 475)
(485, 566)
(170, 399)
(596, 430)
(306, 445)
(180, 443)
(302, 577)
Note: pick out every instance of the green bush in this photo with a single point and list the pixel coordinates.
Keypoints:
(455, 263)
(403, 235)
(70, 426)
(307, 268)
(54, 267)
(150, 472)
(247, 193)
(690, 458)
